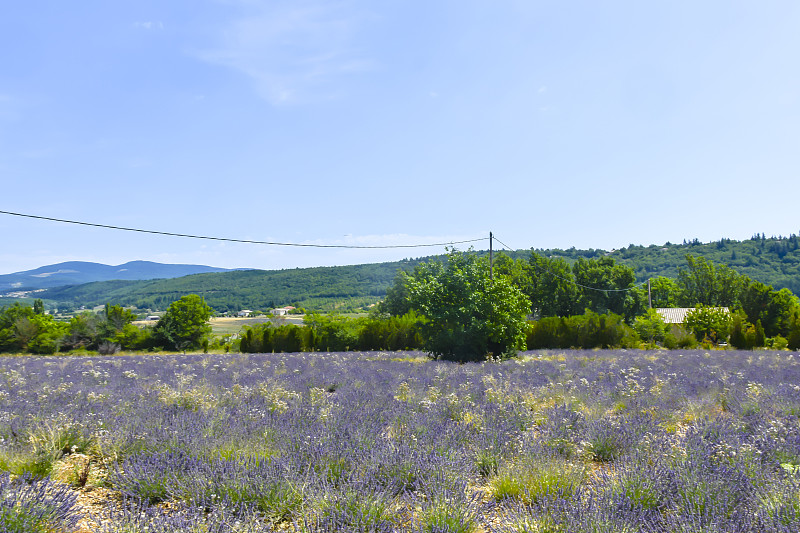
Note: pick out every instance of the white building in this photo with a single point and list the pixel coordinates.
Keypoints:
(677, 315)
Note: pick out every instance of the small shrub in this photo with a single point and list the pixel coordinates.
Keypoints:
(36, 506)
(782, 503)
(534, 478)
(680, 339)
(651, 327)
(643, 486)
(777, 343)
(604, 448)
(352, 510)
(507, 485)
(486, 461)
(447, 510)
(108, 348)
(444, 517)
(276, 500)
(605, 441)
(47, 443)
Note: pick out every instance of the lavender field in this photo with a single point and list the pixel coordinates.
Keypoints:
(554, 441)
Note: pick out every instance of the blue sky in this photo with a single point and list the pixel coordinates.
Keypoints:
(552, 124)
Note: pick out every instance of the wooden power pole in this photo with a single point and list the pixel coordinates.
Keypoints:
(491, 259)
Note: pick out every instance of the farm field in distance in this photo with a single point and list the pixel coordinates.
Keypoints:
(233, 325)
(552, 441)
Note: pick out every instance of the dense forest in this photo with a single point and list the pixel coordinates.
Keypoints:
(774, 261)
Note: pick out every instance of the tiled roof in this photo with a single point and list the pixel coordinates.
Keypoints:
(677, 315)
(673, 315)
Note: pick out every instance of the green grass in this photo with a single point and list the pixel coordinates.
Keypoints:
(443, 515)
(533, 478)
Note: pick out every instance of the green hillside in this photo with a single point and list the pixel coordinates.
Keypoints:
(322, 288)
(774, 261)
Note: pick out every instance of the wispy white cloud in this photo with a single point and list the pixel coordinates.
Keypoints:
(149, 25)
(294, 51)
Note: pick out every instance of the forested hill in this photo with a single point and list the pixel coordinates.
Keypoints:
(323, 288)
(774, 261)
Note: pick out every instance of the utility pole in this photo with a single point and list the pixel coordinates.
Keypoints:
(491, 259)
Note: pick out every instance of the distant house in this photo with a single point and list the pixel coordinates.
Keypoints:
(282, 311)
(153, 317)
(677, 315)
(244, 313)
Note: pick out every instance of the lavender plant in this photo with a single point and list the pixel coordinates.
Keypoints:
(35, 506)
(549, 441)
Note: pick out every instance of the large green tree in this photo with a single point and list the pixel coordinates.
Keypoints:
(608, 287)
(710, 324)
(23, 330)
(396, 302)
(470, 315)
(552, 289)
(664, 292)
(773, 308)
(184, 325)
(703, 282)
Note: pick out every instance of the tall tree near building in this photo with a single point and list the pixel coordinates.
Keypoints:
(608, 287)
(552, 291)
(705, 283)
(470, 316)
(184, 326)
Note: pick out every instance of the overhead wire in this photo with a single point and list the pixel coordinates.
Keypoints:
(299, 245)
(245, 241)
(566, 279)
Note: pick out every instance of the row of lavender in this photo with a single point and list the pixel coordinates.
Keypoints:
(552, 441)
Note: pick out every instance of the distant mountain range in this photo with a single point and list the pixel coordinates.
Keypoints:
(80, 272)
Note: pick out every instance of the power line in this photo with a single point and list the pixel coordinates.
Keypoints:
(565, 279)
(245, 241)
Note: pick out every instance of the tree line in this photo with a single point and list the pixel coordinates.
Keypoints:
(593, 302)
(775, 261)
(184, 326)
(463, 308)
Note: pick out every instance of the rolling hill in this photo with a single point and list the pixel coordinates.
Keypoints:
(323, 288)
(774, 261)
